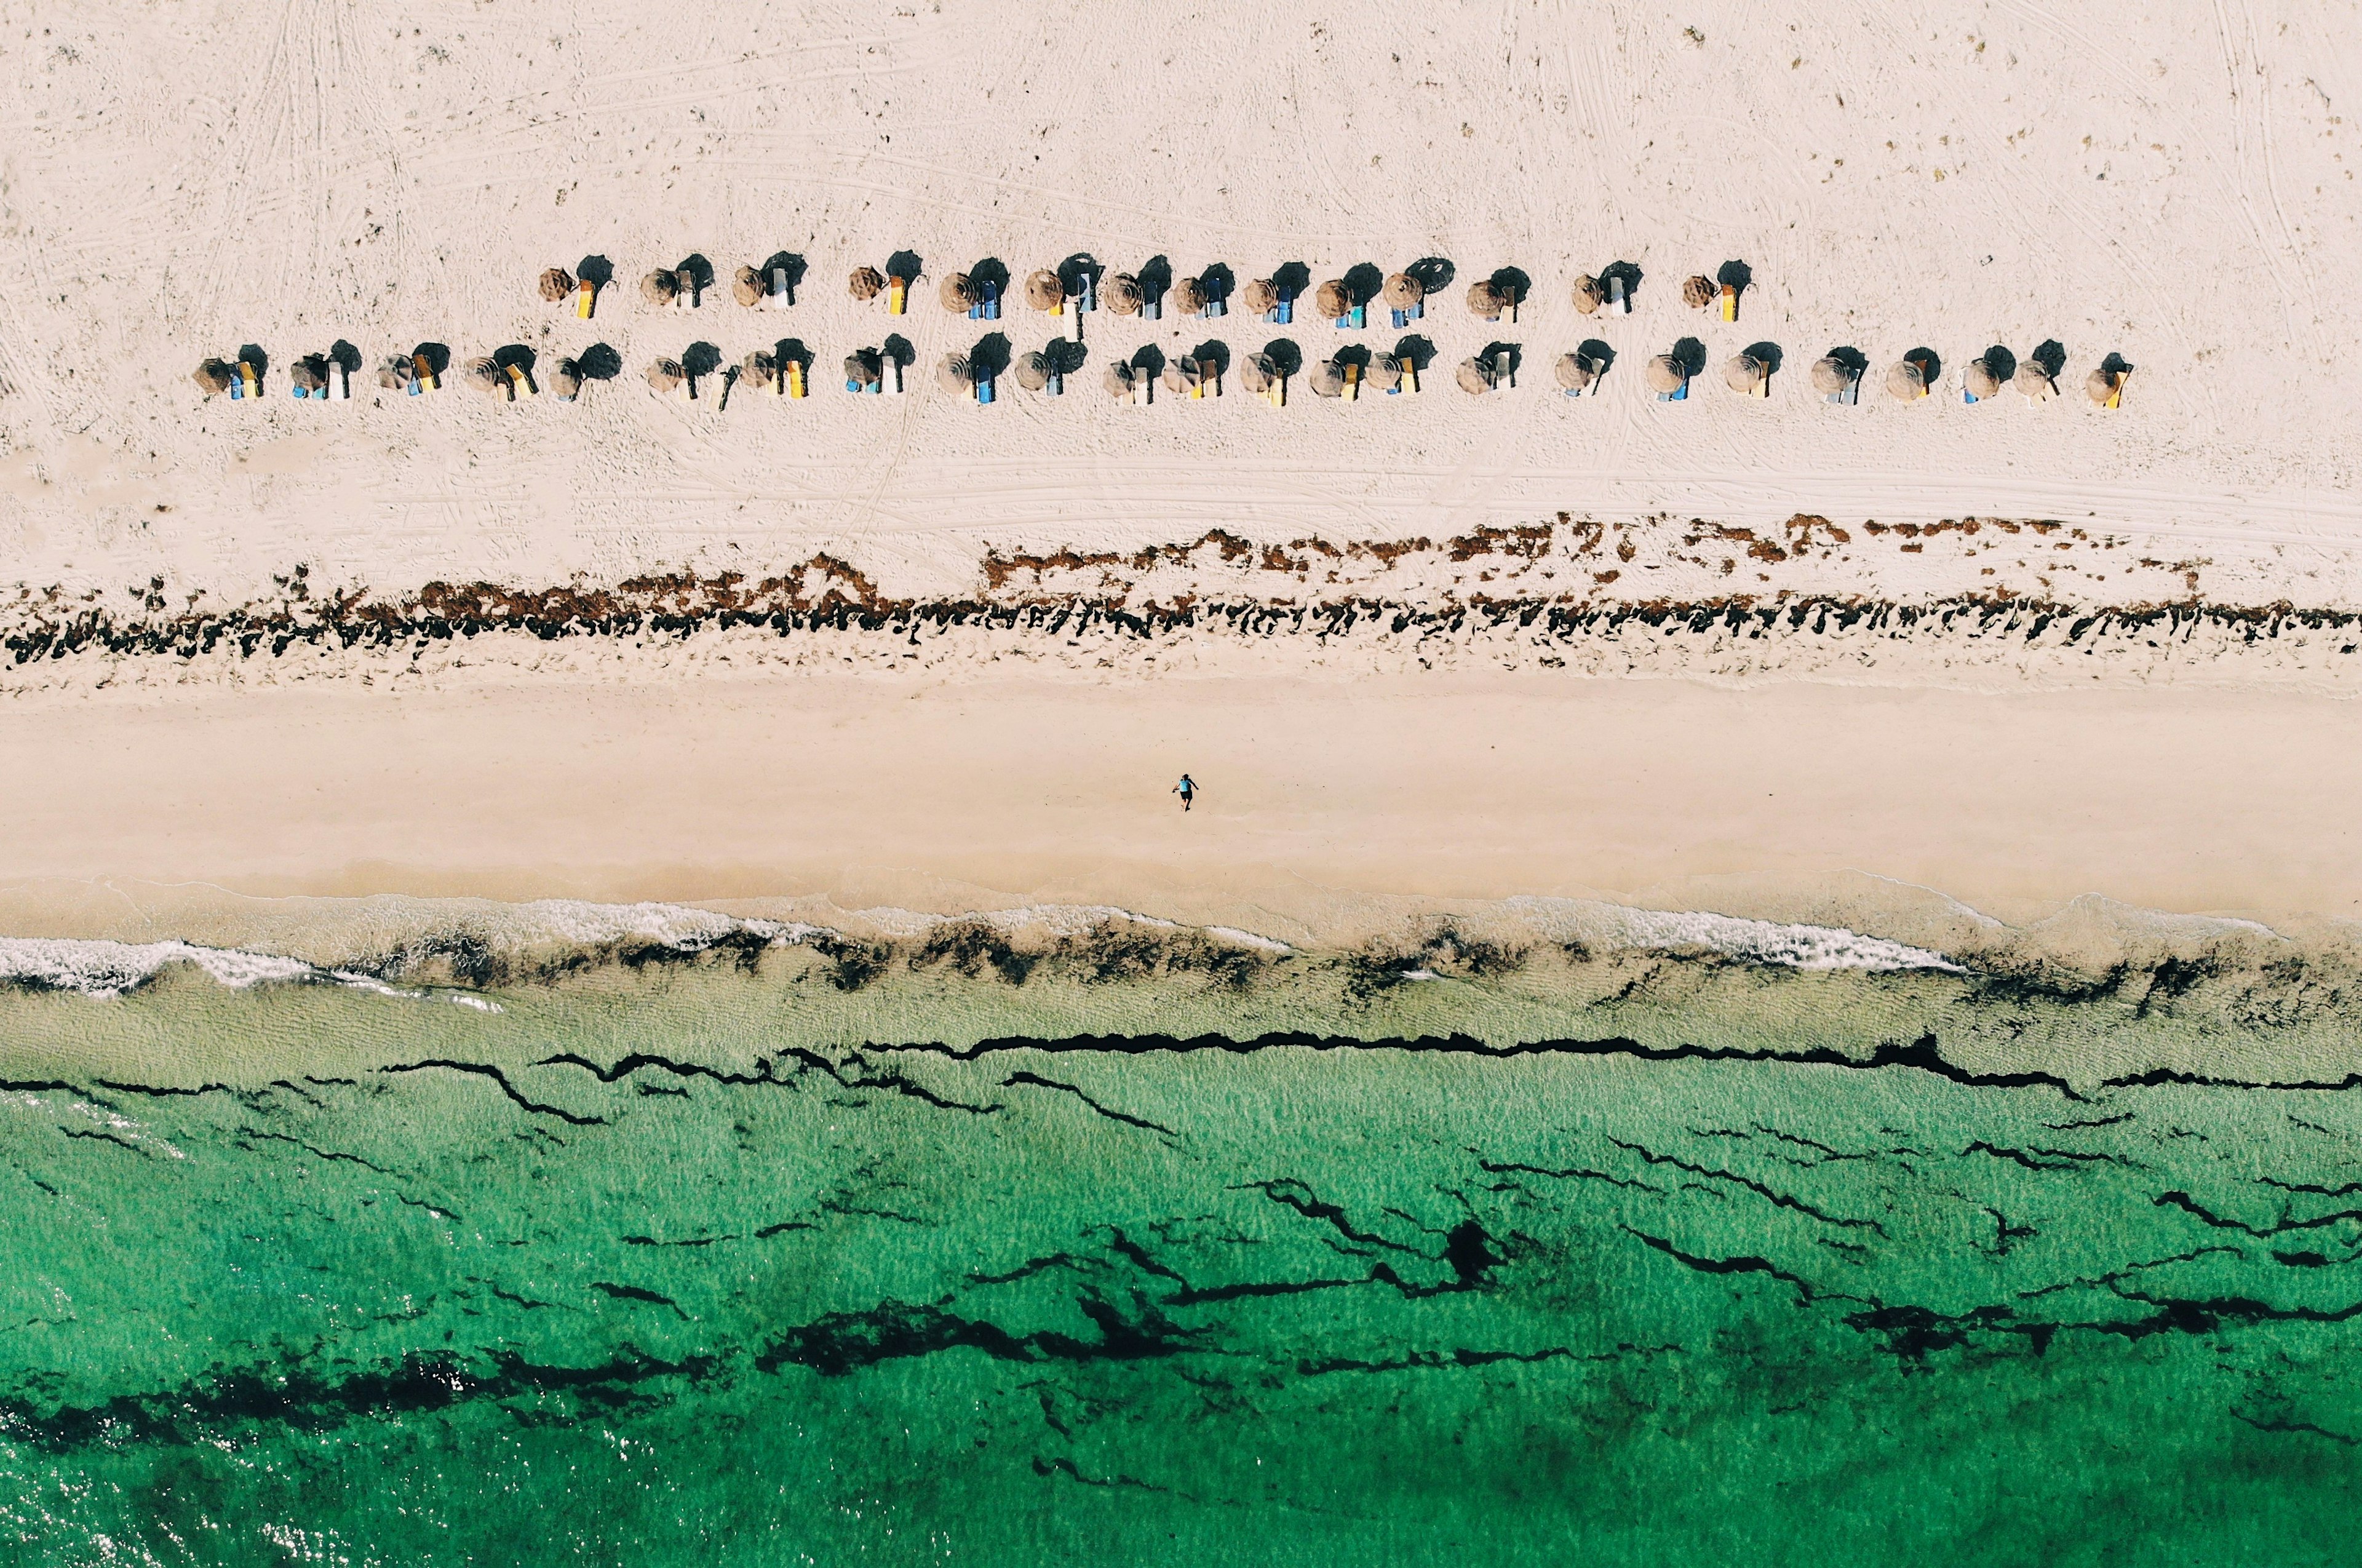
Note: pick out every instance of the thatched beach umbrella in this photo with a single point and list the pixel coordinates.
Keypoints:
(1260, 297)
(1121, 294)
(1043, 291)
(747, 286)
(1574, 372)
(557, 283)
(2035, 381)
(1831, 375)
(1327, 379)
(758, 368)
(1188, 297)
(566, 382)
(1697, 293)
(1382, 373)
(864, 366)
(1402, 292)
(1119, 378)
(1485, 300)
(957, 293)
(1333, 299)
(213, 376)
(395, 373)
(1182, 373)
(955, 375)
(486, 377)
(1031, 370)
(1982, 382)
(1474, 376)
(666, 375)
(865, 283)
(1257, 372)
(1906, 381)
(660, 287)
(2100, 385)
(310, 372)
(1665, 374)
(1589, 294)
(1745, 373)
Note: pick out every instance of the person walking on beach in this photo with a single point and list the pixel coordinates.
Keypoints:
(1186, 790)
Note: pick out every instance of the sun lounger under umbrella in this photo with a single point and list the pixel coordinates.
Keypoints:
(566, 381)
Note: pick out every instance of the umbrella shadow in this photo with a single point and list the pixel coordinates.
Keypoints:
(1363, 280)
(599, 362)
(343, 354)
(1286, 358)
(251, 354)
(1064, 355)
(1856, 362)
(901, 350)
(699, 271)
(1076, 269)
(1512, 284)
(1736, 275)
(700, 360)
(1149, 362)
(1624, 269)
(595, 271)
(1214, 355)
(2000, 362)
(905, 265)
(1432, 274)
(790, 263)
(1291, 278)
(990, 355)
(1418, 350)
(2116, 365)
(1766, 355)
(792, 351)
(1155, 278)
(1217, 280)
(2051, 355)
(437, 355)
(1931, 364)
(992, 273)
(1690, 355)
(1596, 353)
(1492, 354)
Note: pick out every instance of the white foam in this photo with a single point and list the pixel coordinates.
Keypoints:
(108, 969)
(1755, 940)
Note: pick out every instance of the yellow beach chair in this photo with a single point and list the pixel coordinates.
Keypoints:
(586, 293)
(2116, 398)
(521, 384)
(1730, 303)
(253, 383)
(424, 371)
(1410, 376)
(898, 295)
(1352, 383)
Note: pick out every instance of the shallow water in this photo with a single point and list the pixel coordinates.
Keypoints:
(685, 1265)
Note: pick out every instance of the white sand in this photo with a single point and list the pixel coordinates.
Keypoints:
(2181, 190)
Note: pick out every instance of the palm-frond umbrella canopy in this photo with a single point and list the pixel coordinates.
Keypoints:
(666, 375)
(1982, 382)
(954, 375)
(1382, 373)
(1121, 294)
(1402, 292)
(1119, 378)
(1574, 372)
(557, 283)
(1031, 370)
(1589, 295)
(2034, 382)
(1665, 374)
(660, 287)
(747, 286)
(311, 373)
(1485, 300)
(2100, 385)
(864, 366)
(1473, 376)
(1697, 293)
(566, 382)
(1744, 373)
(1042, 289)
(487, 377)
(215, 376)
(1182, 373)
(957, 293)
(865, 283)
(1333, 299)
(1188, 297)
(1257, 372)
(1831, 375)
(1260, 297)
(758, 368)
(1907, 381)
(1328, 379)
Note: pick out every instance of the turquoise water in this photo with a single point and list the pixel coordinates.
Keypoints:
(660, 1269)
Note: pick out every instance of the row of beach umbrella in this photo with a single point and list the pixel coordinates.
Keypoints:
(785, 370)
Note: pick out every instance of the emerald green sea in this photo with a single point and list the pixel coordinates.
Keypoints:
(734, 1261)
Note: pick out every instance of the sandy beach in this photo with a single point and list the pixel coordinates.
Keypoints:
(1930, 584)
